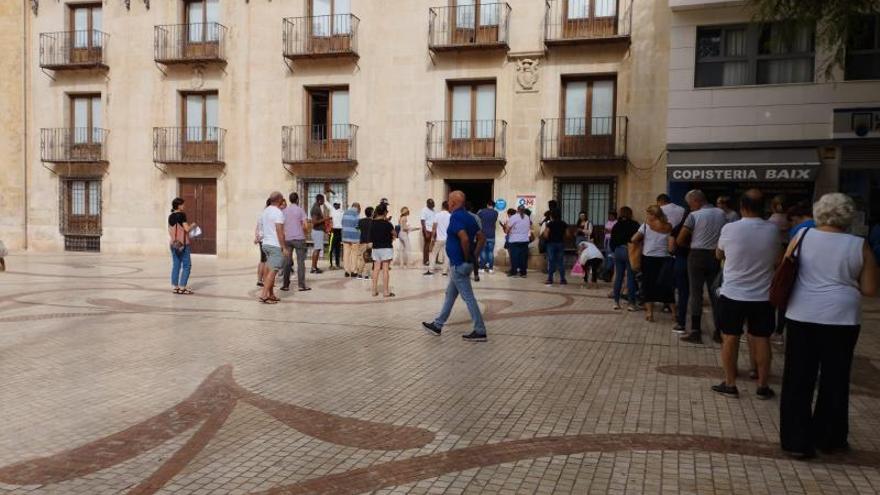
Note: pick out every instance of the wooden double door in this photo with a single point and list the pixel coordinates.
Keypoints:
(200, 204)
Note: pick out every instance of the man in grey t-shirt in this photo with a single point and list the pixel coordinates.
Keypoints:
(701, 230)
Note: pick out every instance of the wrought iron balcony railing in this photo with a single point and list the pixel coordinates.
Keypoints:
(570, 22)
(466, 140)
(73, 144)
(460, 27)
(68, 50)
(596, 138)
(188, 144)
(320, 36)
(189, 43)
(319, 143)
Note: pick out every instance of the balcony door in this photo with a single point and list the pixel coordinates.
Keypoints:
(588, 123)
(475, 21)
(201, 131)
(330, 26)
(329, 129)
(86, 38)
(471, 128)
(200, 202)
(85, 127)
(590, 18)
(202, 38)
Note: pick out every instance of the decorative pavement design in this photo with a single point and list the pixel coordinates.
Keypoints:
(339, 393)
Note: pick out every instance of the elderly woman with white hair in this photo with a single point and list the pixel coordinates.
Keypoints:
(835, 270)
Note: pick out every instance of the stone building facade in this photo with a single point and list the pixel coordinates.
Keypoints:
(117, 107)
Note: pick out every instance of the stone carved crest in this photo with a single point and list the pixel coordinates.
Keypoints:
(527, 73)
(198, 78)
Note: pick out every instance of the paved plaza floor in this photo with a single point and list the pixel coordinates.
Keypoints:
(109, 383)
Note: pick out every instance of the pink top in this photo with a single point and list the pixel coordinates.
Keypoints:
(294, 216)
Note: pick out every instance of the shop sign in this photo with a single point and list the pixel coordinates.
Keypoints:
(526, 201)
(734, 173)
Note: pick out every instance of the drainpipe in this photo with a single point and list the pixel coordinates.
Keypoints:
(24, 96)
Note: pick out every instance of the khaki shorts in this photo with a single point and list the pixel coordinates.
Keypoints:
(273, 257)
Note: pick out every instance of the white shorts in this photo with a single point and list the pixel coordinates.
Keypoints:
(318, 240)
(383, 254)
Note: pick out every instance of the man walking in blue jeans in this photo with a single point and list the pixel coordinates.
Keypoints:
(488, 220)
(464, 239)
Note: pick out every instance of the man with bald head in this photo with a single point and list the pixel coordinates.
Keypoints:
(751, 248)
(272, 223)
(464, 238)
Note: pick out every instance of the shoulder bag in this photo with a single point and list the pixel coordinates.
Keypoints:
(785, 276)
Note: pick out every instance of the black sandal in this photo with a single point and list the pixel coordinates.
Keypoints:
(268, 300)
(186, 291)
(390, 294)
(176, 290)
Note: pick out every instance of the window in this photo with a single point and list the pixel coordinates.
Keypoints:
(200, 116)
(202, 17)
(470, 13)
(81, 207)
(331, 17)
(593, 98)
(754, 54)
(594, 197)
(863, 49)
(329, 113)
(338, 193)
(472, 110)
(86, 118)
(85, 23)
(586, 9)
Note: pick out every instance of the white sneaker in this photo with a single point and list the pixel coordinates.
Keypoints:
(491, 270)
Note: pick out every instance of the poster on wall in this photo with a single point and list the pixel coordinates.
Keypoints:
(526, 201)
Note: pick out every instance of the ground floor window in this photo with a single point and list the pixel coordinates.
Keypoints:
(334, 191)
(864, 187)
(81, 214)
(594, 196)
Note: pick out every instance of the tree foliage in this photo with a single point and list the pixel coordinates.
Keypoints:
(835, 21)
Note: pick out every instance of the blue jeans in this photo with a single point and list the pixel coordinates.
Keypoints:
(460, 285)
(682, 287)
(487, 257)
(555, 260)
(623, 268)
(180, 266)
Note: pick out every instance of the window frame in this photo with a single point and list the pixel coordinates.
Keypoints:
(591, 11)
(90, 37)
(204, 126)
(752, 57)
(331, 27)
(90, 134)
(585, 182)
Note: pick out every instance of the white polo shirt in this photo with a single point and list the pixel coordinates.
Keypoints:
(442, 221)
(428, 216)
(271, 217)
(751, 247)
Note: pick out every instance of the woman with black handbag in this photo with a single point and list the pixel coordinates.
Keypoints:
(831, 272)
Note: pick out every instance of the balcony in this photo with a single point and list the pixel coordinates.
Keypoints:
(579, 139)
(73, 145)
(191, 145)
(176, 44)
(71, 50)
(320, 36)
(469, 27)
(581, 22)
(319, 144)
(465, 141)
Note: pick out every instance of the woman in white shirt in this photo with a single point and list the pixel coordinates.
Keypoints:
(835, 270)
(657, 263)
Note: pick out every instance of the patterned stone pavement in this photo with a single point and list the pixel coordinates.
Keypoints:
(111, 384)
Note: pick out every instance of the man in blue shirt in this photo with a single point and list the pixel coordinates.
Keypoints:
(464, 239)
(350, 238)
(489, 220)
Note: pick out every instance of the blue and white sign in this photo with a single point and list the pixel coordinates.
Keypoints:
(500, 204)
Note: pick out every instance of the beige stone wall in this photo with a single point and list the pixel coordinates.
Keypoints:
(12, 105)
(395, 87)
(750, 113)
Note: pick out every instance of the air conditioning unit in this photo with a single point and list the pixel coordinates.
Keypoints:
(856, 123)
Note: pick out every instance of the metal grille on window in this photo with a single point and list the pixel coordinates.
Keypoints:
(571, 200)
(339, 195)
(598, 202)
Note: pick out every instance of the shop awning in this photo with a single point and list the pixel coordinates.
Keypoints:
(776, 164)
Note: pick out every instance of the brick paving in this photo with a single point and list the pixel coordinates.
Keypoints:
(111, 384)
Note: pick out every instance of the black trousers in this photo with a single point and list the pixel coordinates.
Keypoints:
(813, 350)
(336, 247)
